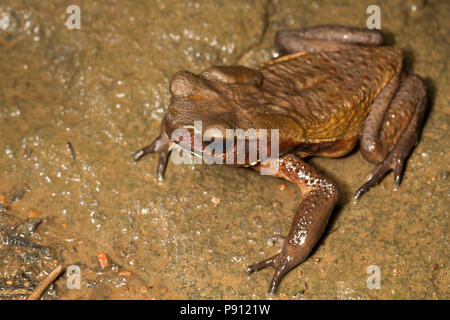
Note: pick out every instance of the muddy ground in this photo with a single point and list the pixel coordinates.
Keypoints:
(76, 104)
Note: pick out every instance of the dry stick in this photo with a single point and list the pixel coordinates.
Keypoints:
(12, 292)
(45, 283)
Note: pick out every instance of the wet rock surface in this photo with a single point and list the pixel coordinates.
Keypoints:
(76, 104)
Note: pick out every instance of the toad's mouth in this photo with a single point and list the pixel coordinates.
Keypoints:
(238, 151)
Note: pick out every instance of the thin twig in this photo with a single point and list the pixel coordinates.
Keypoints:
(36, 294)
(72, 151)
(13, 292)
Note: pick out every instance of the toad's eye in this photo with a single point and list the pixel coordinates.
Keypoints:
(214, 133)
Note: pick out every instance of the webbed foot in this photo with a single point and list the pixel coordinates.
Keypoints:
(395, 161)
(282, 264)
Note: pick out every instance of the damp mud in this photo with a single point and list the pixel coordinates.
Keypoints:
(76, 104)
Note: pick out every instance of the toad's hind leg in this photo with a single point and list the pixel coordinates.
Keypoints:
(388, 136)
(325, 38)
(320, 194)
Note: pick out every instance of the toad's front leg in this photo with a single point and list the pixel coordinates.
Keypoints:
(320, 194)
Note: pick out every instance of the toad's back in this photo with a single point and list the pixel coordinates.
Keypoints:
(328, 94)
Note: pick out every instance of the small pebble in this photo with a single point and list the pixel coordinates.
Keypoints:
(283, 296)
(32, 213)
(103, 260)
(143, 289)
(125, 273)
(395, 271)
(3, 200)
(282, 187)
(215, 201)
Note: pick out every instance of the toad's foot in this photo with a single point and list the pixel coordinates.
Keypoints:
(282, 264)
(160, 145)
(395, 161)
